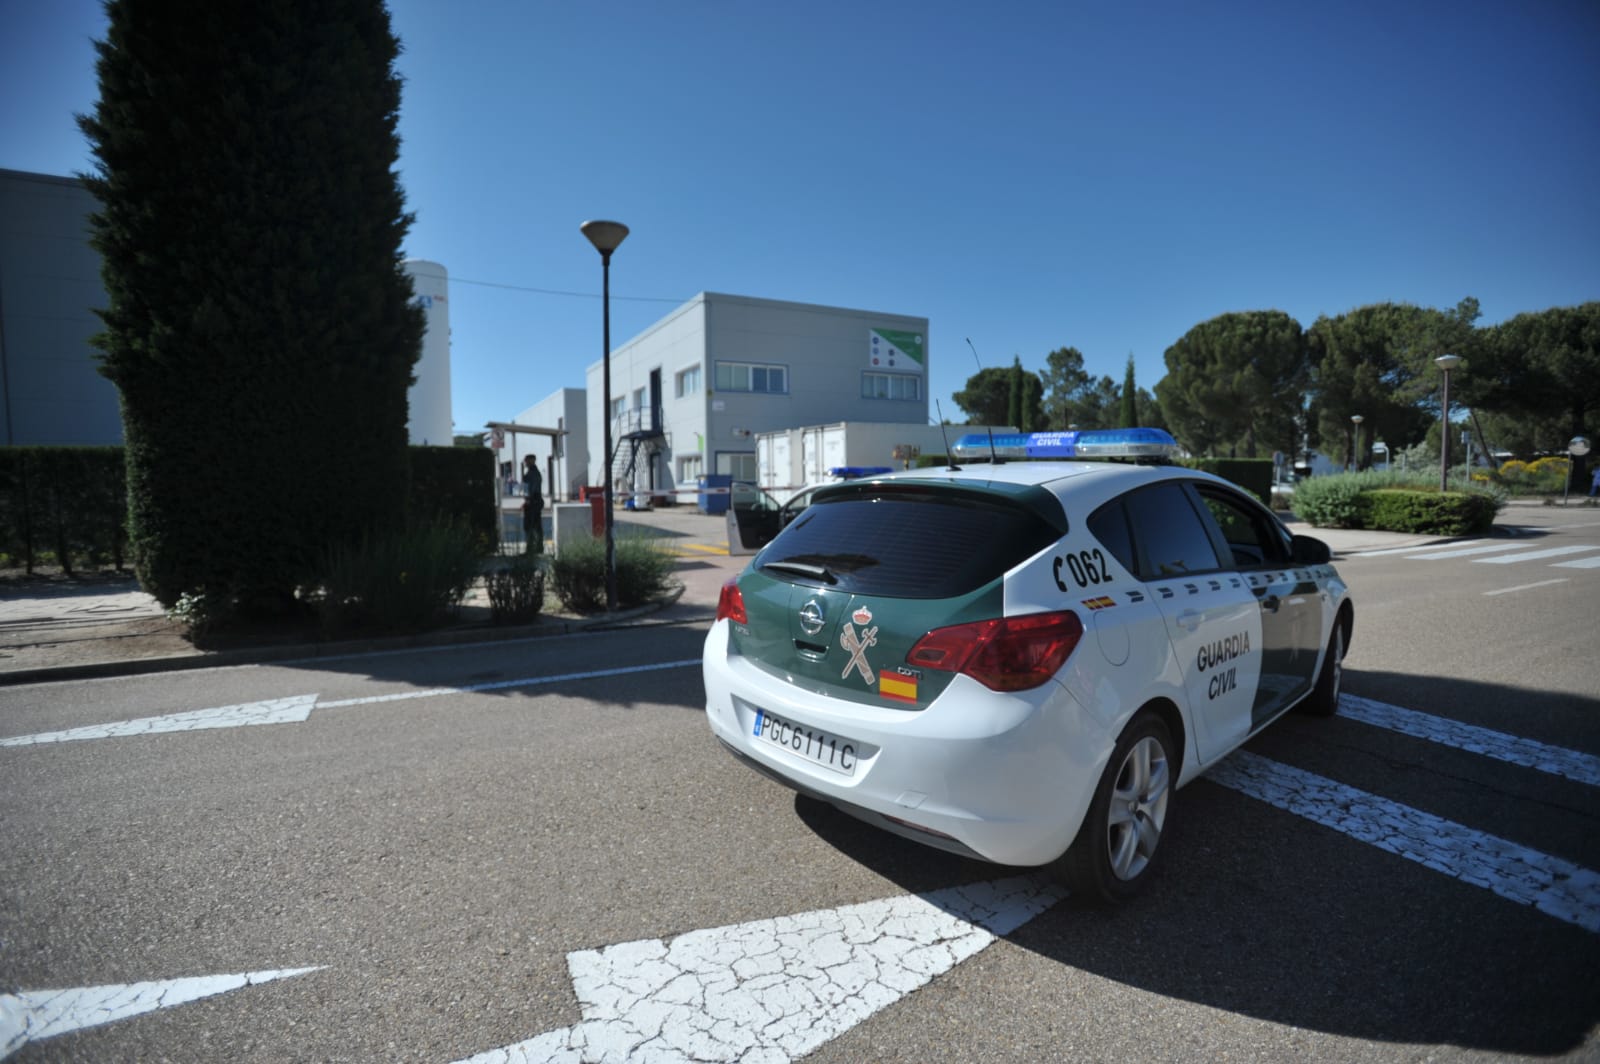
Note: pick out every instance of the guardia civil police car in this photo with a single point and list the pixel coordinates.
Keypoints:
(1020, 661)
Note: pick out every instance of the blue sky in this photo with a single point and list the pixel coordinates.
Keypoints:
(1030, 175)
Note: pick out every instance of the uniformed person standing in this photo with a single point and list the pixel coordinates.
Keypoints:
(532, 505)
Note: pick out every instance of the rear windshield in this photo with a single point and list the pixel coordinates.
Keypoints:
(918, 546)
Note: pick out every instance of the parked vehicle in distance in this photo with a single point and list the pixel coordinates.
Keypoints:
(1021, 661)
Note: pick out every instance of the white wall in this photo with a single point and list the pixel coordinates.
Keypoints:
(823, 351)
(51, 391)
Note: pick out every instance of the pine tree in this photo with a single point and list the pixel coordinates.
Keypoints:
(260, 328)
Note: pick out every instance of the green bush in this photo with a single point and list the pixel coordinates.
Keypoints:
(516, 590)
(456, 484)
(403, 582)
(1329, 502)
(64, 506)
(578, 574)
(1454, 513)
(1394, 501)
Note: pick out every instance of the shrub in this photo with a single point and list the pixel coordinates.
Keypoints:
(578, 574)
(1395, 501)
(1452, 513)
(406, 581)
(516, 590)
(1329, 502)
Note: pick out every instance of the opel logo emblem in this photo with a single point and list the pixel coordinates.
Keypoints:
(811, 617)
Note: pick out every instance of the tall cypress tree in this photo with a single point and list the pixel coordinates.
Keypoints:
(261, 330)
(1130, 397)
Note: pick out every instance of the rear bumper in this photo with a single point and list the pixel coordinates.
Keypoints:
(1002, 777)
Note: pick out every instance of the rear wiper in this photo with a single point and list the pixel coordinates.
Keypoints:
(815, 572)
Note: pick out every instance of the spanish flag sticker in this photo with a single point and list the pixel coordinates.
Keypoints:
(896, 687)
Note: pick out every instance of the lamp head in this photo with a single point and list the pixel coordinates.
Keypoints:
(605, 236)
(1447, 362)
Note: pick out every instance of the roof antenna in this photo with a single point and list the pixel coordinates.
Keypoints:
(952, 467)
(994, 459)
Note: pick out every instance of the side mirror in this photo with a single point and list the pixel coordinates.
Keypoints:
(1308, 550)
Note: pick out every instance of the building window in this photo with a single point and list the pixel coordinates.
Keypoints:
(890, 386)
(688, 381)
(751, 377)
(690, 469)
(741, 465)
(619, 404)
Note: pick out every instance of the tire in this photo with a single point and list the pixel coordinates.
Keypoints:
(1119, 841)
(1323, 701)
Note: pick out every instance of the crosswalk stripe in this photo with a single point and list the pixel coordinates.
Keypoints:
(1552, 885)
(1463, 552)
(1553, 552)
(1580, 563)
(1527, 753)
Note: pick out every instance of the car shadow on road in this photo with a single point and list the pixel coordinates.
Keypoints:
(1260, 914)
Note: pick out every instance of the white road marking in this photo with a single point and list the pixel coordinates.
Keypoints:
(1462, 552)
(32, 1015)
(769, 991)
(296, 709)
(1581, 563)
(1528, 753)
(1552, 552)
(1525, 587)
(291, 710)
(1554, 886)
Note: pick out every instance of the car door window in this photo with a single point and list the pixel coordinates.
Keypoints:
(1249, 536)
(1169, 537)
(1109, 525)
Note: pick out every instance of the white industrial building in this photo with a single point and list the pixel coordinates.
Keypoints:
(51, 390)
(691, 393)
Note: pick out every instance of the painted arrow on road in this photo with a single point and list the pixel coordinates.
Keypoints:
(297, 708)
(772, 990)
(33, 1015)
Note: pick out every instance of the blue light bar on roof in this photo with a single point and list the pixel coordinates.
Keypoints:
(1094, 443)
(850, 472)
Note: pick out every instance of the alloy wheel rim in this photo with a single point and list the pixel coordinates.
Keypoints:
(1138, 808)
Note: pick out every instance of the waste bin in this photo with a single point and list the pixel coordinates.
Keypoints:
(597, 510)
(713, 501)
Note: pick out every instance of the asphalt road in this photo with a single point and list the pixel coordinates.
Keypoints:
(446, 837)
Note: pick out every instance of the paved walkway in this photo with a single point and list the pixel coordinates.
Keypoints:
(106, 626)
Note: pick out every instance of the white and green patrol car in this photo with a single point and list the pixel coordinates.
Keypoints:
(1021, 660)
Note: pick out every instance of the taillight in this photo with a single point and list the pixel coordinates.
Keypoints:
(1004, 653)
(730, 604)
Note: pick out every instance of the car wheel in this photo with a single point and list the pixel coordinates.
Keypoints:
(1324, 698)
(1117, 845)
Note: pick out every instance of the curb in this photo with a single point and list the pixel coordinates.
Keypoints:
(291, 652)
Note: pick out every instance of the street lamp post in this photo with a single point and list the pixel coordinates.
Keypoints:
(606, 237)
(1446, 363)
(1355, 446)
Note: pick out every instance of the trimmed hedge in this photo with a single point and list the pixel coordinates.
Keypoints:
(1252, 474)
(456, 484)
(1452, 513)
(1392, 502)
(65, 504)
(72, 502)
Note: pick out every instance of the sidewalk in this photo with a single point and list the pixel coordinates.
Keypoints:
(58, 628)
(103, 625)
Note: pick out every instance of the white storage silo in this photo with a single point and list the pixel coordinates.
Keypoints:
(429, 398)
